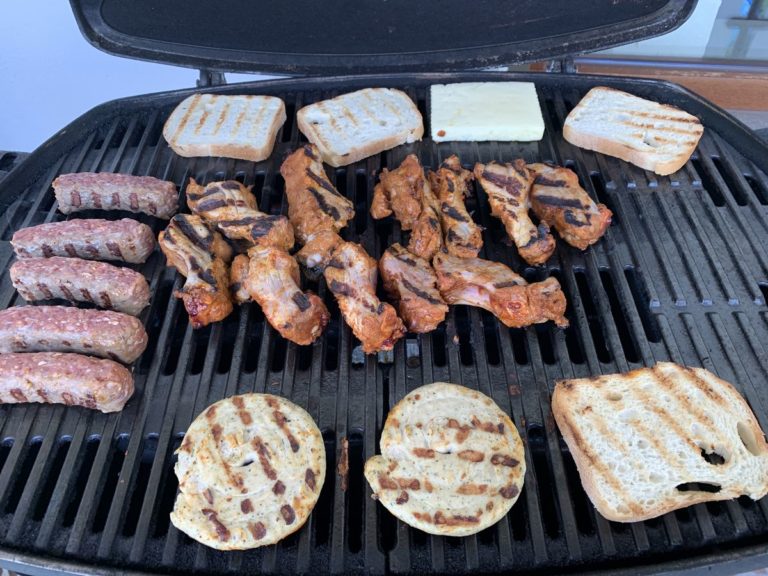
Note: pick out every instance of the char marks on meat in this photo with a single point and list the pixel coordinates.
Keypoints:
(508, 187)
(496, 288)
(559, 200)
(411, 281)
(400, 191)
(231, 207)
(201, 255)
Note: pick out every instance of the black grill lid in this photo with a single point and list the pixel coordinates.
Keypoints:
(345, 36)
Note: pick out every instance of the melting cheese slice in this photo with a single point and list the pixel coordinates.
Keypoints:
(480, 111)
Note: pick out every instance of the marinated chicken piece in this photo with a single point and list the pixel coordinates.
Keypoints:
(351, 276)
(558, 200)
(427, 236)
(316, 253)
(273, 282)
(232, 209)
(496, 288)
(412, 282)
(462, 236)
(238, 276)
(508, 186)
(400, 191)
(201, 255)
(314, 205)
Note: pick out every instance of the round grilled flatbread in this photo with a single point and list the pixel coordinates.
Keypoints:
(250, 471)
(451, 463)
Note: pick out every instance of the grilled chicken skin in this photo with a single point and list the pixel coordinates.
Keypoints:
(238, 276)
(201, 255)
(496, 288)
(508, 186)
(462, 236)
(558, 200)
(400, 191)
(232, 209)
(411, 281)
(427, 234)
(351, 276)
(273, 282)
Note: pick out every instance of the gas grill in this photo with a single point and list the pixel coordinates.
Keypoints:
(681, 275)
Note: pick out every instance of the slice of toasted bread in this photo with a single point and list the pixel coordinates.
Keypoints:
(354, 126)
(242, 127)
(653, 136)
(658, 439)
(451, 463)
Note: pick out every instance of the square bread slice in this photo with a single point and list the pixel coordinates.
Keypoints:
(653, 136)
(657, 439)
(354, 126)
(242, 127)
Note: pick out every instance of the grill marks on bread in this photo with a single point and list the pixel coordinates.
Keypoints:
(451, 461)
(637, 437)
(247, 485)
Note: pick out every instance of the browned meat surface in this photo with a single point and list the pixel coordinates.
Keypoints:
(93, 239)
(314, 205)
(496, 288)
(201, 255)
(78, 280)
(316, 253)
(462, 236)
(65, 329)
(274, 282)
(427, 235)
(105, 191)
(558, 200)
(71, 379)
(508, 186)
(411, 281)
(232, 209)
(238, 276)
(351, 276)
(400, 191)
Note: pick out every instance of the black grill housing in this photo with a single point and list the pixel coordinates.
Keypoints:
(681, 275)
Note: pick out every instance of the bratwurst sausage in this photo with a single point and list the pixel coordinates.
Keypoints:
(71, 379)
(78, 280)
(63, 329)
(106, 191)
(93, 239)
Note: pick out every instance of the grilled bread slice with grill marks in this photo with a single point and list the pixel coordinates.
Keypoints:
(653, 136)
(451, 463)
(250, 471)
(242, 127)
(657, 439)
(354, 126)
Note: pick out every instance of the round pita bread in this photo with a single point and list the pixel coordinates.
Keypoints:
(250, 471)
(451, 463)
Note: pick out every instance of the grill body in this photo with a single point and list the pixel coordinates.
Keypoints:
(681, 275)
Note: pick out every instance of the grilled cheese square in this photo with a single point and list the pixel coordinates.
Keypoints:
(658, 439)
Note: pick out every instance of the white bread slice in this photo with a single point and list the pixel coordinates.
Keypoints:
(637, 437)
(653, 136)
(242, 127)
(354, 126)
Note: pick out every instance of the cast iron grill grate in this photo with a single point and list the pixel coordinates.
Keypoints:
(681, 275)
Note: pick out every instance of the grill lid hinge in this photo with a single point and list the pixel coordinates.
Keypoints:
(211, 78)
(565, 65)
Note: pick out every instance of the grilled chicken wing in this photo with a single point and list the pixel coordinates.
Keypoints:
(238, 275)
(315, 254)
(232, 208)
(558, 200)
(462, 236)
(508, 186)
(273, 282)
(351, 276)
(496, 288)
(426, 235)
(201, 255)
(411, 281)
(400, 191)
